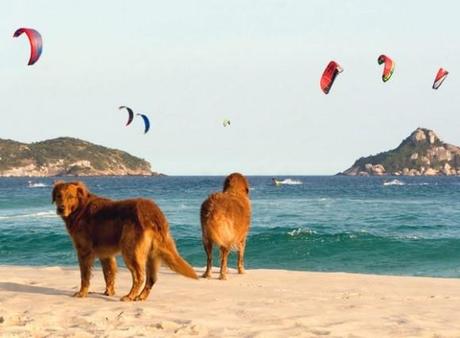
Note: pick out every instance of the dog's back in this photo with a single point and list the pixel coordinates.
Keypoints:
(225, 218)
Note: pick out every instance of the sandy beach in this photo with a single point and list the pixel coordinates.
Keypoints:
(36, 302)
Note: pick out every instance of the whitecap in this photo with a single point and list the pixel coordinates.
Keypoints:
(40, 214)
(300, 231)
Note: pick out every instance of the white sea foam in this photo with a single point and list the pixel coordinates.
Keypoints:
(394, 182)
(40, 214)
(301, 231)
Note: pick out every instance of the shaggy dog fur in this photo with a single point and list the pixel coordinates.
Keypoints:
(225, 219)
(101, 228)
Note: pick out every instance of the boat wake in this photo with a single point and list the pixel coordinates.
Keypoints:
(393, 182)
(31, 184)
(288, 181)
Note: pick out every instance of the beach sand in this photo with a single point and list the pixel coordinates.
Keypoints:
(36, 302)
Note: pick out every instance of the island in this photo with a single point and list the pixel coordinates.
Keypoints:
(420, 154)
(67, 156)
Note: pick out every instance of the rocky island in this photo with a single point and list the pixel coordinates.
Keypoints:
(420, 154)
(66, 156)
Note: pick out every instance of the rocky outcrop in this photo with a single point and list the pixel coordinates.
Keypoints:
(67, 156)
(422, 153)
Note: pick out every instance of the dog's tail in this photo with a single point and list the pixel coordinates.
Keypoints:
(171, 257)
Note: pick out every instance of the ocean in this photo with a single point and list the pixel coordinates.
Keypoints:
(378, 225)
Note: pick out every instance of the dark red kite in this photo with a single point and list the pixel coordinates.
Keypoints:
(328, 77)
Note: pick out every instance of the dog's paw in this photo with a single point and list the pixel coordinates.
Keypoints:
(206, 275)
(80, 294)
(109, 292)
(143, 295)
(126, 298)
(223, 277)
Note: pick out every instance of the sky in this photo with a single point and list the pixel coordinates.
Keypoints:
(190, 64)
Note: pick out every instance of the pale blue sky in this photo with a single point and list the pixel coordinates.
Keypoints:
(190, 64)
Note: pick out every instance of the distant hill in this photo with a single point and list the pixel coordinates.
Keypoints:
(422, 153)
(66, 156)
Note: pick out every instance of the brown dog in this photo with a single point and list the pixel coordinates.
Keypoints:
(225, 218)
(100, 227)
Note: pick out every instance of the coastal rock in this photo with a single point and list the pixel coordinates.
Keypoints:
(448, 170)
(421, 153)
(425, 161)
(418, 136)
(377, 169)
(430, 172)
(421, 135)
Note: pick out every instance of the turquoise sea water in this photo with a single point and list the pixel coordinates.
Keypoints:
(402, 226)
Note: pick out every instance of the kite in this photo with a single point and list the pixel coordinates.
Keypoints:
(328, 77)
(130, 112)
(440, 77)
(146, 122)
(389, 67)
(226, 123)
(35, 41)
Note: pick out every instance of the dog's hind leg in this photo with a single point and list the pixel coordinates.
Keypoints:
(109, 268)
(208, 248)
(240, 262)
(135, 257)
(138, 274)
(153, 265)
(223, 262)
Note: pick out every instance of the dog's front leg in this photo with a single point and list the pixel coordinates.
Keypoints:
(109, 267)
(85, 259)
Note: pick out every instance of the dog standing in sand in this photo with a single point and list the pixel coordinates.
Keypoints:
(225, 218)
(101, 228)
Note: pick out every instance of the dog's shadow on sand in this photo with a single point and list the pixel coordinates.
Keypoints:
(25, 288)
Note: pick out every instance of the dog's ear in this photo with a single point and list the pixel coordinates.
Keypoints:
(226, 184)
(57, 184)
(247, 185)
(82, 190)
